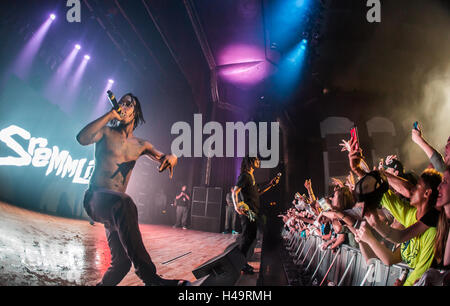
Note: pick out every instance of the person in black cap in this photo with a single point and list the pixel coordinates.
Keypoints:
(392, 165)
(373, 190)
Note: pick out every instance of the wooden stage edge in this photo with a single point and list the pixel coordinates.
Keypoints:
(42, 250)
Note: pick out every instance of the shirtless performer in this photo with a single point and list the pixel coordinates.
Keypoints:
(105, 201)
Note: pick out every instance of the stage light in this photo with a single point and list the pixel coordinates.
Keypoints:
(52, 16)
(23, 63)
(55, 88)
(111, 81)
(290, 69)
(87, 57)
(299, 3)
(303, 44)
(289, 19)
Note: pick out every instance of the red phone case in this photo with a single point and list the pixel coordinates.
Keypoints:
(354, 135)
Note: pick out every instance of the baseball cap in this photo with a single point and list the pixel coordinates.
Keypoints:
(370, 189)
(394, 164)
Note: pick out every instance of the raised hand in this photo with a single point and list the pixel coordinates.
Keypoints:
(168, 161)
(416, 135)
(364, 234)
(337, 182)
(115, 115)
(350, 181)
(381, 165)
(345, 145)
(308, 184)
(390, 159)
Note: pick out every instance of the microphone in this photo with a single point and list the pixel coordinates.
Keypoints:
(279, 174)
(113, 101)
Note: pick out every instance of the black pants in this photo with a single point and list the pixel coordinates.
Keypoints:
(248, 234)
(118, 213)
(182, 216)
(230, 218)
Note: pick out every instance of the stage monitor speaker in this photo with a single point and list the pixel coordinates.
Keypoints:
(222, 270)
(206, 210)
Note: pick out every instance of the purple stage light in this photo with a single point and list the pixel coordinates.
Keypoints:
(25, 59)
(76, 79)
(236, 54)
(77, 46)
(56, 87)
(243, 64)
(74, 87)
(52, 16)
(111, 81)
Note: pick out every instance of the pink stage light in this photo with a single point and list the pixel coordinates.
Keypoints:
(243, 64)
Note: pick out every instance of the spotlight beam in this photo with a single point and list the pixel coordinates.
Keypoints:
(25, 59)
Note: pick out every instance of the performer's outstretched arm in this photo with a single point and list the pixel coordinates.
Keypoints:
(270, 184)
(167, 161)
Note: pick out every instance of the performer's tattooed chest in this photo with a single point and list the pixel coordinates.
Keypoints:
(123, 149)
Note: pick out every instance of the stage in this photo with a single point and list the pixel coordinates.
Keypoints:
(43, 250)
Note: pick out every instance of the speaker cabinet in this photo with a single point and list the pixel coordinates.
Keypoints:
(206, 210)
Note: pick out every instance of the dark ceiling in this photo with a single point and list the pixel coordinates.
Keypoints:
(197, 46)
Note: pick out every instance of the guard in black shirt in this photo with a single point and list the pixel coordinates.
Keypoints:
(182, 203)
(248, 209)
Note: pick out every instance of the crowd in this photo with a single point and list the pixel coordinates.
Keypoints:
(386, 212)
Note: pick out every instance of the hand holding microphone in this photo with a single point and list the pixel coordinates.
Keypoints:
(276, 179)
(116, 110)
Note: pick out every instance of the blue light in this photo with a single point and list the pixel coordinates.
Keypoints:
(299, 3)
(290, 69)
(304, 41)
(288, 16)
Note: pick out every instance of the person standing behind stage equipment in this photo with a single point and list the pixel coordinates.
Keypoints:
(182, 204)
(248, 209)
(230, 215)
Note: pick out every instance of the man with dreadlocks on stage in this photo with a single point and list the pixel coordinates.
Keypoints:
(245, 197)
(105, 201)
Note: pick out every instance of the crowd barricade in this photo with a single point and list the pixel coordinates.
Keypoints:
(344, 267)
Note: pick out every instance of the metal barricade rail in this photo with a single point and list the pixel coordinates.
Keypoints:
(345, 267)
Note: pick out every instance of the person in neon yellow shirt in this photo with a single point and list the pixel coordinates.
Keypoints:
(418, 252)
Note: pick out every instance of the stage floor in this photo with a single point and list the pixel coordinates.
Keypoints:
(38, 249)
